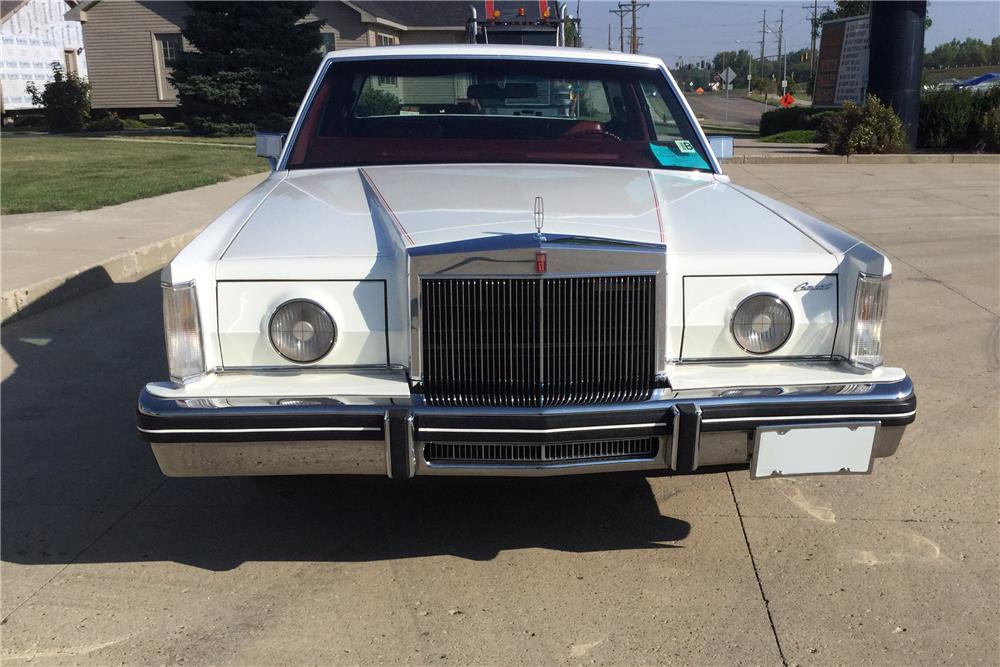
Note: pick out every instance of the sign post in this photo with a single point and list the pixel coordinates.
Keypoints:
(728, 76)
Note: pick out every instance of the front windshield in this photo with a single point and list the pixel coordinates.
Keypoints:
(371, 112)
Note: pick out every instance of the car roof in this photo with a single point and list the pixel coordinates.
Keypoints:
(490, 51)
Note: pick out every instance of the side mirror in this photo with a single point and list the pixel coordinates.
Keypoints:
(721, 146)
(269, 145)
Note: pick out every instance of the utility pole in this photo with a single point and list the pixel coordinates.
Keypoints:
(632, 8)
(620, 13)
(609, 37)
(781, 44)
(813, 34)
(763, 33)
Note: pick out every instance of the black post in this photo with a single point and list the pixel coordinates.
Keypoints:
(897, 58)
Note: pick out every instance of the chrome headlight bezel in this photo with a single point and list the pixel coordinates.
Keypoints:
(182, 332)
(867, 347)
(741, 340)
(327, 342)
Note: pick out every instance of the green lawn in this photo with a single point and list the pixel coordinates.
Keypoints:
(39, 173)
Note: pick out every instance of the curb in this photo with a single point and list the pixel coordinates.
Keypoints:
(23, 301)
(903, 158)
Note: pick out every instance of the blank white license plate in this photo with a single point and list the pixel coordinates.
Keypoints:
(781, 451)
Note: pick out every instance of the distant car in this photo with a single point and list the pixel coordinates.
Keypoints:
(434, 281)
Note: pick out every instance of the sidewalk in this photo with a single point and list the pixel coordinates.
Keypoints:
(52, 257)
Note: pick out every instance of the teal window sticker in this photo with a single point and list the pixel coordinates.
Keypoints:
(674, 155)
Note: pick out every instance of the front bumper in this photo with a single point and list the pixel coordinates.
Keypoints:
(688, 430)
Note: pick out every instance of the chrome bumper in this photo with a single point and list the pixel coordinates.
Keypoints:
(693, 430)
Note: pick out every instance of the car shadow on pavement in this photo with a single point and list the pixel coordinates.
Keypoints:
(77, 485)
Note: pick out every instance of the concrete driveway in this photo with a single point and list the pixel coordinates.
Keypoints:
(106, 561)
(714, 108)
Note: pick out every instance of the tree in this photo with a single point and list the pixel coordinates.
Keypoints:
(66, 100)
(253, 63)
(844, 9)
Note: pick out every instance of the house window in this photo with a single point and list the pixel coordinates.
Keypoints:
(170, 48)
(329, 42)
(69, 59)
(386, 40)
(166, 50)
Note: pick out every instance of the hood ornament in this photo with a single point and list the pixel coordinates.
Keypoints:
(539, 217)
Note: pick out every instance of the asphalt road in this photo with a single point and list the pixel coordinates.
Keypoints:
(712, 108)
(106, 561)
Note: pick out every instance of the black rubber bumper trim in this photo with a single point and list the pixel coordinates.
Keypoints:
(748, 417)
(161, 421)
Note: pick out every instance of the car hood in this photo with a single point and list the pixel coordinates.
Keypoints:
(380, 212)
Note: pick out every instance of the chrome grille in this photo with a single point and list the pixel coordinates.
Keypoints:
(528, 342)
(539, 453)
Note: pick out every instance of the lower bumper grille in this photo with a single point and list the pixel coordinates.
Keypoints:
(541, 453)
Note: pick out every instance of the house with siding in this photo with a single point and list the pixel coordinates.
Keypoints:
(131, 44)
(35, 34)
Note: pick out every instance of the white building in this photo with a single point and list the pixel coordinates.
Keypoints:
(35, 34)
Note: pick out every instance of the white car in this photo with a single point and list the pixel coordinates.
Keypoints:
(478, 260)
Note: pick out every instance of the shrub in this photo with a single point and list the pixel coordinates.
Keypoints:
(989, 130)
(947, 120)
(105, 122)
(783, 120)
(377, 103)
(953, 119)
(66, 100)
(872, 128)
(206, 127)
(274, 122)
(134, 124)
(792, 137)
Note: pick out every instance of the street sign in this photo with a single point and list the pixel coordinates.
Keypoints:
(787, 100)
(728, 75)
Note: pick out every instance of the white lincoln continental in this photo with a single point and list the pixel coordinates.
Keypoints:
(478, 260)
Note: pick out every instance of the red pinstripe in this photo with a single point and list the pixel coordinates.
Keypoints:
(392, 214)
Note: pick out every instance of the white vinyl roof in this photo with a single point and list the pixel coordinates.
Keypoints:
(499, 51)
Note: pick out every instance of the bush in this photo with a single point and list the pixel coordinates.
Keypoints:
(275, 122)
(872, 128)
(377, 103)
(105, 122)
(791, 137)
(989, 130)
(206, 127)
(66, 100)
(953, 119)
(783, 120)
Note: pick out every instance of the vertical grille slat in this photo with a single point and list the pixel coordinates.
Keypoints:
(529, 342)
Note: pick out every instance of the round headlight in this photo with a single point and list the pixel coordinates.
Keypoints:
(762, 323)
(302, 331)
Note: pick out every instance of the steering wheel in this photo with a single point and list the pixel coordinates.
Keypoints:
(591, 134)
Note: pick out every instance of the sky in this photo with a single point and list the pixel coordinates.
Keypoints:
(672, 29)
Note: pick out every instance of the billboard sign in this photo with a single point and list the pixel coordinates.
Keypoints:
(842, 74)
